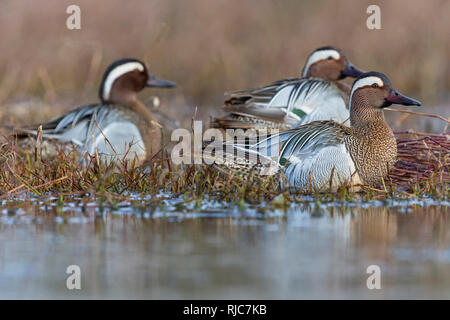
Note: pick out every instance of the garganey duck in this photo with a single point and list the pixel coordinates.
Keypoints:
(317, 95)
(120, 127)
(321, 154)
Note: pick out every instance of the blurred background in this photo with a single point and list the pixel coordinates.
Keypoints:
(211, 47)
(181, 250)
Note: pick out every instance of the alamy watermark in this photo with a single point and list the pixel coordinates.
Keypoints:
(230, 147)
(374, 280)
(73, 281)
(374, 20)
(73, 22)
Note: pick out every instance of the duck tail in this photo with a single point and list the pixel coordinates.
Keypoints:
(242, 155)
(18, 132)
(234, 122)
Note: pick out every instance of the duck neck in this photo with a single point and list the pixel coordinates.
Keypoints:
(345, 90)
(139, 108)
(367, 121)
(344, 87)
(372, 144)
(148, 126)
(129, 100)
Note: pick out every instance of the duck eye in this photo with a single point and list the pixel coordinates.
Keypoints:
(375, 85)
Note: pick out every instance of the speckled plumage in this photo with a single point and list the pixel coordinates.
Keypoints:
(372, 143)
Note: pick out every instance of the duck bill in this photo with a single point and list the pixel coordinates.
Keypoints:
(396, 97)
(351, 71)
(159, 83)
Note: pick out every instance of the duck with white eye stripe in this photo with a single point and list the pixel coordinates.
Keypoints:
(120, 127)
(317, 95)
(321, 154)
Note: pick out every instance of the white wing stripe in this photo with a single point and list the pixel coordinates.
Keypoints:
(117, 73)
(317, 56)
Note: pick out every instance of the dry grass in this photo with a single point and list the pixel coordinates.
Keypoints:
(26, 174)
(422, 170)
(423, 158)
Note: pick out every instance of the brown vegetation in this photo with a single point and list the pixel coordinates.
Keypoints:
(209, 47)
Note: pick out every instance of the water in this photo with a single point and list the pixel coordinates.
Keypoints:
(212, 250)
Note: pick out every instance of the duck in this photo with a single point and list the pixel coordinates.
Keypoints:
(120, 127)
(326, 154)
(316, 95)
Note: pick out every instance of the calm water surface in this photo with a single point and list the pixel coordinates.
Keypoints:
(212, 250)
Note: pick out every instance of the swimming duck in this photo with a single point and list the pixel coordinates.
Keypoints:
(321, 154)
(120, 127)
(317, 95)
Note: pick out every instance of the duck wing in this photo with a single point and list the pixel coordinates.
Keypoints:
(265, 93)
(75, 126)
(285, 101)
(309, 153)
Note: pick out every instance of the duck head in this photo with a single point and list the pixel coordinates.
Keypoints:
(329, 63)
(124, 78)
(376, 90)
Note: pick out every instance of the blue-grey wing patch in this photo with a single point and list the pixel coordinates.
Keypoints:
(289, 100)
(309, 156)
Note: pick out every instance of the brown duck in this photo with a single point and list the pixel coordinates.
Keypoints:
(321, 154)
(120, 127)
(317, 95)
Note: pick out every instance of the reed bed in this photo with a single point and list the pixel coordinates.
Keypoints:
(422, 170)
(27, 175)
(422, 157)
